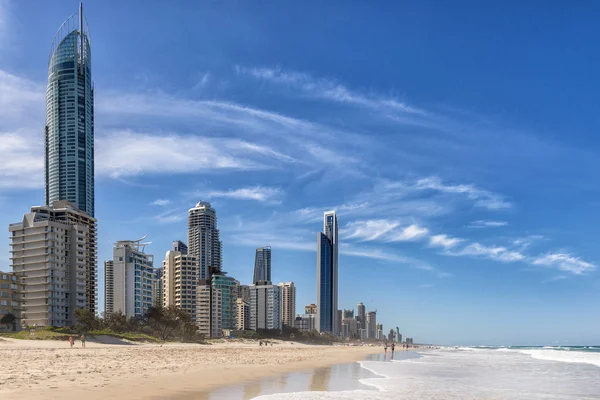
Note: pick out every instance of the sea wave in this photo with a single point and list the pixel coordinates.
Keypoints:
(564, 356)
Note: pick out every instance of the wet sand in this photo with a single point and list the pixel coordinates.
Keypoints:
(51, 370)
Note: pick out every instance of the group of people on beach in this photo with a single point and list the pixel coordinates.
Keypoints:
(72, 341)
(393, 347)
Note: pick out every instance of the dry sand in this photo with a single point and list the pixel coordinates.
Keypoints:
(32, 369)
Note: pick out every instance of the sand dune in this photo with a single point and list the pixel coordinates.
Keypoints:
(51, 370)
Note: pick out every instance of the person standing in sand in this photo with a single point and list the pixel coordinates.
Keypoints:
(71, 341)
(82, 341)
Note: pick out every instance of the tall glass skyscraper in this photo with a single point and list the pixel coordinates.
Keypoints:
(204, 238)
(69, 130)
(262, 265)
(327, 275)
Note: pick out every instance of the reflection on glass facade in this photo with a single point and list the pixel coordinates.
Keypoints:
(327, 275)
(69, 130)
(325, 287)
(262, 265)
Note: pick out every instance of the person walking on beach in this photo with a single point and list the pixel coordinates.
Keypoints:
(385, 346)
(82, 341)
(71, 341)
(393, 347)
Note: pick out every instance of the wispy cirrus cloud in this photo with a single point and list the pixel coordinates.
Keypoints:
(480, 197)
(497, 253)
(409, 233)
(171, 216)
(487, 224)
(130, 153)
(161, 202)
(326, 89)
(564, 262)
(444, 241)
(258, 193)
(368, 230)
(384, 230)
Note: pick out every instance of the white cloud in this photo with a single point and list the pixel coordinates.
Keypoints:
(257, 193)
(21, 162)
(170, 217)
(497, 253)
(382, 229)
(555, 278)
(443, 241)
(564, 262)
(21, 102)
(481, 198)
(203, 81)
(129, 153)
(374, 253)
(326, 89)
(411, 232)
(368, 230)
(161, 202)
(487, 224)
(427, 285)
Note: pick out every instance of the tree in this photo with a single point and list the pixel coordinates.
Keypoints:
(86, 320)
(116, 322)
(10, 321)
(163, 321)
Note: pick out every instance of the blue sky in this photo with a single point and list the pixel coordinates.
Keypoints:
(457, 143)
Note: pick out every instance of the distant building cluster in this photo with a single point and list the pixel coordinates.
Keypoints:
(54, 246)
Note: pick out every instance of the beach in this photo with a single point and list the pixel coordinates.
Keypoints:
(108, 367)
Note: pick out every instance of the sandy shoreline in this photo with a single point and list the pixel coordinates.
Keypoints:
(52, 370)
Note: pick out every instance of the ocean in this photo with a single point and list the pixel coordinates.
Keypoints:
(455, 373)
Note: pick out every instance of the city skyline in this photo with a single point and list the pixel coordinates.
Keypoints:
(463, 191)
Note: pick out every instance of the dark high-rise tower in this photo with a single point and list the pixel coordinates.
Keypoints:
(69, 129)
(327, 275)
(262, 265)
(204, 239)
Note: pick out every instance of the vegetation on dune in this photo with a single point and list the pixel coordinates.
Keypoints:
(158, 324)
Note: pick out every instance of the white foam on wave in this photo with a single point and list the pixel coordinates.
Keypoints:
(564, 356)
(473, 375)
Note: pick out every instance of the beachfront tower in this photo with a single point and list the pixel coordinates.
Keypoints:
(327, 275)
(57, 279)
(131, 277)
(203, 239)
(288, 303)
(69, 129)
(262, 265)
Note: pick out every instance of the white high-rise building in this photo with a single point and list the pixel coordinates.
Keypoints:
(204, 241)
(54, 254)
(327, 275)
(131, 277)
(180, 280)
(265, 307)
(288, 303)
